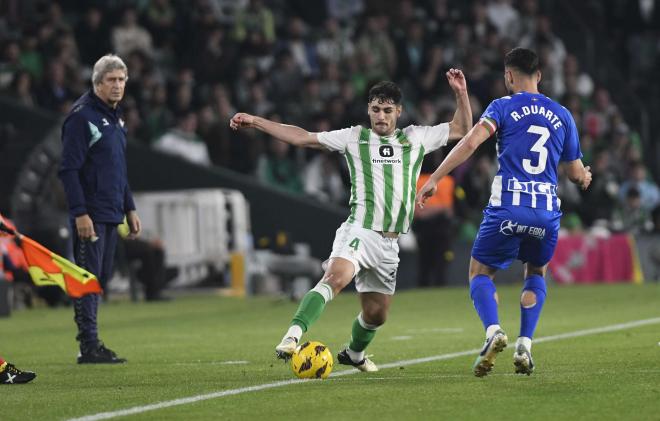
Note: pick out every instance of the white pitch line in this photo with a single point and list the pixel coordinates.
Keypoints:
(256, 388)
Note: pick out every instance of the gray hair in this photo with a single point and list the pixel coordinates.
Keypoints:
(107, 64)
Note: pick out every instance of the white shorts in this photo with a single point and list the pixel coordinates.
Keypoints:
(375, 257)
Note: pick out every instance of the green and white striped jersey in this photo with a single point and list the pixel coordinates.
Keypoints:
(384, 171)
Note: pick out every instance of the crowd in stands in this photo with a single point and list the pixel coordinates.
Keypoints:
(193, 64)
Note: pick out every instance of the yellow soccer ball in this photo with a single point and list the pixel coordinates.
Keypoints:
(312, 360)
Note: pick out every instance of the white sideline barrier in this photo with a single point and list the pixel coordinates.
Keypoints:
(238, 222)
(199, 228)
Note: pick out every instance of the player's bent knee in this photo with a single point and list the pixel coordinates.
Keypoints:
(337, 280)
(374, 318)
(528, 299)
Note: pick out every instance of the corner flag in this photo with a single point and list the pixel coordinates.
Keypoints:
(47, 268)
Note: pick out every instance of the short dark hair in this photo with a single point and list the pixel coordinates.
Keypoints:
(633, 193)
(385, 91)
(522, 59)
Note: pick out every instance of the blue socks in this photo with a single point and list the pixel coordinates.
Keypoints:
(529, 317)
(482, 292)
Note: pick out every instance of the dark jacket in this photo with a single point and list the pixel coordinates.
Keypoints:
(93, 167)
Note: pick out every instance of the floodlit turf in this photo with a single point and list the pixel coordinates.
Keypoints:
(198, 345)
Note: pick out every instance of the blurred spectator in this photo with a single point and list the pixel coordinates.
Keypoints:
(632, 216)
(182, 100)
(355, 110)
(478, 75)
(602, 193)
(442, 18)
(31, 58)
(21, 89)
(159, 117)
(568, 193)
(254, 19)
(552, 54)
(597, 120)
(286, 78)
(129, 35)
(344, 10)
(433, 231)
(456, 51)
(301, 47)
(336, 43)
(54, 93)
(330, 81)
(278, 169)
(160, 19)
(431, 79)
(504, 17)
(376, 49)
(137, 62)
(528, 16)
(410, 51)
(425, 114)
(183, 141)
(576, 81)
(476, 182)
(55, 17)
(258, 102)
(311, 102)
(10, 63)
(481, 24)
(646, 189)
(211, 65)
(92, 36)
(132, 121)
(248, 73)
(147, 258)
(322, 179)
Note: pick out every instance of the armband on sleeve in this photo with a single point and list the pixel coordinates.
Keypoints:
(489, 125)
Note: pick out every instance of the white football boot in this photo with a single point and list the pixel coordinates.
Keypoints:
(486, 358)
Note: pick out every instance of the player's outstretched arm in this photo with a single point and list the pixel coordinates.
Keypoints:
(293, 135)
(462, 121)
(461, 152)
(578, 173)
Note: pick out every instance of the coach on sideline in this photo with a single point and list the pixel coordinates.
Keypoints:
(93, 171)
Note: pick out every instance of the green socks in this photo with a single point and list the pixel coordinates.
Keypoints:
(361, 335)
(309, 310)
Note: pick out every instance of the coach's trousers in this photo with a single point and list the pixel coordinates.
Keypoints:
(96, 257)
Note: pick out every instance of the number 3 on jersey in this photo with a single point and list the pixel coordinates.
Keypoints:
(538, 147)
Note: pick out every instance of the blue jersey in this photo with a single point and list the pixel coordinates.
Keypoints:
(534, 133)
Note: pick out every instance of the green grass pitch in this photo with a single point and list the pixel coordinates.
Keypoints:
(198, 345)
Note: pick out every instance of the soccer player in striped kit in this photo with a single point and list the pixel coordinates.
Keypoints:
(521, 221)
(384, 163)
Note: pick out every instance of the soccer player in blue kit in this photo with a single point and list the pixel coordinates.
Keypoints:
(521, 221)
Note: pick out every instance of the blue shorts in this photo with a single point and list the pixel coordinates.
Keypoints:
(516, 232)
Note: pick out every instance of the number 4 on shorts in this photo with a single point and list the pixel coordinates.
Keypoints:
(355, 244)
